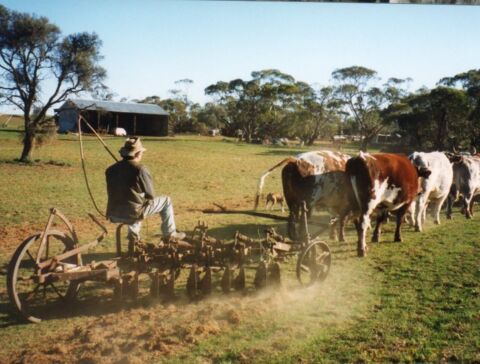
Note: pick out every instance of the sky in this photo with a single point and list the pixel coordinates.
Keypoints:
(148, 45)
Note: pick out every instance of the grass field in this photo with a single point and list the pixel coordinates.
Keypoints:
(412, 301)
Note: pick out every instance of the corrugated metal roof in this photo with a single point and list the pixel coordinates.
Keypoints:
(120, 107)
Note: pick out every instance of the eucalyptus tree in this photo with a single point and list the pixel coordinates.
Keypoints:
(469, 82)
(316, 113)
(436, 119)
(357, 91)
(32, 53)
(256, 106)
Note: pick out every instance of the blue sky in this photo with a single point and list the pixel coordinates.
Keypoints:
(148, 45)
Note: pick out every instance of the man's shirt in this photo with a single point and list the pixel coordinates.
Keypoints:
(129, 188)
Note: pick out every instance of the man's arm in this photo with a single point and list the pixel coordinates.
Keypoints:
(146, 182)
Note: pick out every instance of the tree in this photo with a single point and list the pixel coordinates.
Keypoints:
(33, 51)
(364, 101)
(256, 106)
(470, 82)
(436, 119)
(315, 115)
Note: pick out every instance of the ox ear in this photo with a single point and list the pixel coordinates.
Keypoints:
(424, 172)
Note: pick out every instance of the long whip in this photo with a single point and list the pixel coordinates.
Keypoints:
(82, 157)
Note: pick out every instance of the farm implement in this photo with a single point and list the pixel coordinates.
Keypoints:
(47, 269)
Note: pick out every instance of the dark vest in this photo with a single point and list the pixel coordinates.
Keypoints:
(130, 188)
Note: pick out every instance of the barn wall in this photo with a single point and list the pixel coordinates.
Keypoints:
(106, 122)
(67, 120)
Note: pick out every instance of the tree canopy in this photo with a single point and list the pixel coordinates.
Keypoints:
(33, 52)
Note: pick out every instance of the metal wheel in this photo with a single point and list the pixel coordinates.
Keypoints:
(34, 300)
(314, 263)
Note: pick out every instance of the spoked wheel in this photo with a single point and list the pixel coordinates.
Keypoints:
(314, 263)
(31, 299)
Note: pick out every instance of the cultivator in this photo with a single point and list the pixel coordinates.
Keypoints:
(48, 266)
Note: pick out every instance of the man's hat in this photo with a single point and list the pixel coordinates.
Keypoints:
(132, 146)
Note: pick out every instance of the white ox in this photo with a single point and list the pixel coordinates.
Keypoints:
(119, 132)
(466, 181)
(436, 176)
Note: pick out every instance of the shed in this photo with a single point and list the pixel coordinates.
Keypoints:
(105, 116)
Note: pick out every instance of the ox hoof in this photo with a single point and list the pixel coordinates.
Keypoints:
(417, 229)
(375, 239)
(449, 217)
(342, 240)
(437, 222)
(398, 240)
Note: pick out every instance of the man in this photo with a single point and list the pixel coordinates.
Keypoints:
(131, 196)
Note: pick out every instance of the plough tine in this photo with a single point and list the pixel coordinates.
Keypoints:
(274, 276)
(155, 284)
(227, 280)
(192, 282)
(239, 283)
(261, 275)
(169, 289)
(206, 282)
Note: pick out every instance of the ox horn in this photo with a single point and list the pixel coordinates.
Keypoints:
(454, 150)
(474, 150)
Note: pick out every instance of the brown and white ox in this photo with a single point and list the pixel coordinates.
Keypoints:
(436, 175)
(319, 179)
(388, 182)
(466, 181)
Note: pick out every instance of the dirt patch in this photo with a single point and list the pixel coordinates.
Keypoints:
(141, 333)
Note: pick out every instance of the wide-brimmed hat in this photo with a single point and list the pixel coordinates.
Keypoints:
(132, 146)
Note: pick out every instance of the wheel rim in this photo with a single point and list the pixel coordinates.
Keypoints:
(34, 300)
(313, 264)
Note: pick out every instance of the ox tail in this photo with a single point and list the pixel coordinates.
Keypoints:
(353, 180)
(261, 181)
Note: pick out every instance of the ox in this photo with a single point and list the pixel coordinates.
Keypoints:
(381, 181)
(466, 181)
(319, 179)
(436, 175)
(119, 132)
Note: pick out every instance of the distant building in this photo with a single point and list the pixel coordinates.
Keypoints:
(105, 116)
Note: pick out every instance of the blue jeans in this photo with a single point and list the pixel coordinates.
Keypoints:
(163, 206)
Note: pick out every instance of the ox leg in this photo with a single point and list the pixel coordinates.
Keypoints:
(292, 226)
(437, 206)
(424, 215)
(410, 215)
(377, 231)
(452, 196)
(420, 210)
(400, 213)
(341, 227)
(363, 225)
(467, 202)
(333, 228)
(381, 218)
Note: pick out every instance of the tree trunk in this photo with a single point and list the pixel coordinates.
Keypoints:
(28, 141)
(364, 145)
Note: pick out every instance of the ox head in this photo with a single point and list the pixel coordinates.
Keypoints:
(420, 165)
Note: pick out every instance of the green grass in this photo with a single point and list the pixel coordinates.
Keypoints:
(413, 301)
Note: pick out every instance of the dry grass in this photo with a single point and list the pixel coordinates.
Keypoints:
(416, 301)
